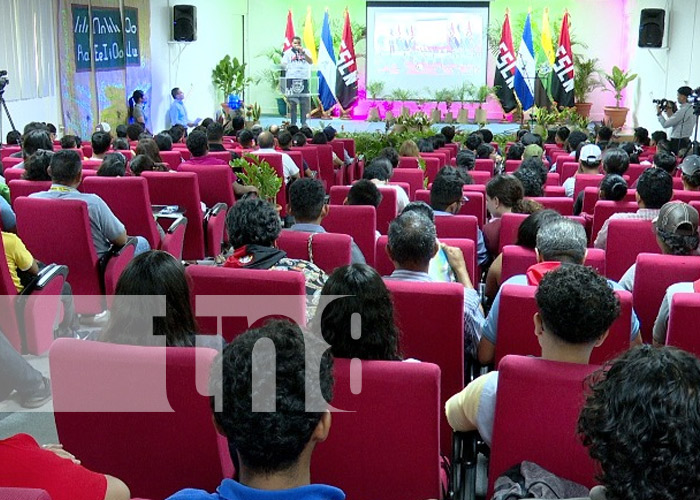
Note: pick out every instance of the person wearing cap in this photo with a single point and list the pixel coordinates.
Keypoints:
(681, 122)
(676, 230)
(588, 163)
(654, 190)
(532, 151)
(690, 173)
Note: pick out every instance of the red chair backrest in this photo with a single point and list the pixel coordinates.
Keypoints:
(92, 164)
(512, 165)
(330, 250)
(221, 155)
(654, 274)
(568, 169)
(432, 165)
(215, 183)
(96, 406)
(325, 164)
(298, 160)
(348, 144)
(283, 294)
(181, 189)
(12, 174)
(476, 205)
(480, 178)
(527, 428)
(86, 150)
(554, 191)
(564, 205)
(386, 211)
(484, 165)
(430, 317)
(510, 223)
(683, 322)
(338, 149)
(590, 197)
(128, 198)
(310, 154)
(552, 179)
(456, 226)
(6, 151)
(172, 158)
(360, 222)
(20, 187)
(370, 436)
(517, 260)
(686, 196)
(627, 238)
(9, 161)
(442, 159)
(586, 180)
(634, 171)
(414, 179)
(603, 209)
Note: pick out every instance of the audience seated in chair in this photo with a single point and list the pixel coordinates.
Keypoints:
(440, 269)
(412, 244)
(308, 206)
(198, 146)
(654, 189)
(113, 165)
(266, 141)
(150, 148)
(253, 227)
(588, 163)
(379, 172)
(34, 139)
(31, 388)
(690, 173)
(36, 166)
(284, 140)
(576, 309)
(364, 192)
(273, 446)
(100, 141)
(560, 241)
(640, 422)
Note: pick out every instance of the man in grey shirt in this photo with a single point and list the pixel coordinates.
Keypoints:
(681, 122)
(66, 170)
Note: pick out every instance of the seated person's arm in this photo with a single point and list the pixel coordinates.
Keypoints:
(239, 189)
(9, 221)
(120, 240)
(487, 351)
(116, 489)
(493, 278)
(337, 162)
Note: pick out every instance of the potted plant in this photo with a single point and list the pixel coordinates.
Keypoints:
(464, 93)
(259, 173)
(618, 81)
(438, 97)
(252, 114)
(481, 96)
(374, 89)
(402, 96)
(586, 80)
(229, 77)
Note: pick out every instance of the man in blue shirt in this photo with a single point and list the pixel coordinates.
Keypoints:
(271, 423)
(177, 111)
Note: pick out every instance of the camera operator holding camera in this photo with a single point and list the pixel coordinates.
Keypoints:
(297, 64)
(681, 121)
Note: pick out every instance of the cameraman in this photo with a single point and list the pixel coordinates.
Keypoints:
(681, 122)
(297, 65)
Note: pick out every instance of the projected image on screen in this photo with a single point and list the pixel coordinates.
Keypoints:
(427, 47)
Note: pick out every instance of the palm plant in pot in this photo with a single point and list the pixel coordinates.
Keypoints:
(481, 96)
(464, 94)
(586, 80)
(374, 89)
(403, 96)
(229, 77)
(618, 81)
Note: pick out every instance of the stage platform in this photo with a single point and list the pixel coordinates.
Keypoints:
(365, 126)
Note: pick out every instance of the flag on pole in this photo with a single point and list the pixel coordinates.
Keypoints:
(563, 79)
(308, 37)
(288, 33)
(327, 70)
(526, 69)
(505, 69)
(346, 82)
(545, 60)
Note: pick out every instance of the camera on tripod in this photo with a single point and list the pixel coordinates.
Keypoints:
(666, 104)
(4, 80)
(694, 99)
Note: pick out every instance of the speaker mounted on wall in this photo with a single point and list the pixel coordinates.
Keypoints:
(184, 23)
(651, 28)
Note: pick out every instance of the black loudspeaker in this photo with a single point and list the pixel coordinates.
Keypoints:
(651, 27)
(184, 23)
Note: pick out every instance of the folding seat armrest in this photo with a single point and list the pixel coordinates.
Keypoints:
(215, 210)
(175, 238)
(178, 220)
(465, 451)
(214, 228)
(113, 263)
(45, 277)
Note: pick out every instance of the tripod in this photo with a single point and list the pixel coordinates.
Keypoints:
(696, 112)
(7, 112)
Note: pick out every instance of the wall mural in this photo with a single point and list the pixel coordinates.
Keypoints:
(104, 50)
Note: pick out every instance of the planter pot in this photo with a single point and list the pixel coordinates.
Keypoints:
(617, 116)
(373, 115)
(449, 117)
(583, 108)
(463, 116)
(480, 116)
(435, 116)
(389, 116)
(405, 111)
(281, 106)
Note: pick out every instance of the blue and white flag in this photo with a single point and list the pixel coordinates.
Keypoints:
(326, 66)
(526, 69)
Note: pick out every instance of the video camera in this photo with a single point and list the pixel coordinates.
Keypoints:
(694, 99)
(666, 104)
(4, 81)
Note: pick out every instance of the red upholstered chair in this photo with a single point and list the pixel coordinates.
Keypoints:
(328, 250)
(454, 147)
(327, 171)
(357, 221)
(686, 196)
(37, 220)
(683, 322)
(602, 211)
(563, 205)
(12, 174)
(166, 420)
(370, 439)
(516, 327)
(172, 158)
(484, 165)
(87, 150)
(205, 230)
(23, 494)
(27, 318)
(517, 259)
(6, 151)
(654, 274)
(221, 155)
(20, 187)
(590, 198)
(432, 165)
(568, 169)
(130, 201)
(9, 162)
(584, 181)
(456, 226)
(554, 191)
(510, 223)
(634, 171)
(442, 159)
(284, 291)
(386, 211)
(480, 178)
(414, 178)
(512, 165)
(92, 164)
(475, 206)
(526, 428)
(627, 238)
(430, 317)
(215, 183)
(552, 179)
(310, 154)
(298, 160)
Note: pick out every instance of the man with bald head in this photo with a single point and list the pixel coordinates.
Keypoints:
(266, 143)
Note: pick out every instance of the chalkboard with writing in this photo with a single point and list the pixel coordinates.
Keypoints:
(115, 44)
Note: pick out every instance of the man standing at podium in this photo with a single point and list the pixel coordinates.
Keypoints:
(297, 64)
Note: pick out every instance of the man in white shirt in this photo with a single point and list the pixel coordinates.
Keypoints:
(266, 142)
(681, 122)
(297, 65)
(588, 163)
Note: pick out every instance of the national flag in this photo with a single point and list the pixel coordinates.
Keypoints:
(346, 82)
(563, 81)
(327, 70)
(526, 69)
(545, 59)
(546, 37)
(505, 69)
(288, 34)
(308, 38)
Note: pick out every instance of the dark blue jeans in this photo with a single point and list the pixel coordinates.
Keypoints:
(15, 372)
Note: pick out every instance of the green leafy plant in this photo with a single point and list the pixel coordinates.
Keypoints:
(259, 173)
(229, 76)
(253, 112)
(586, 78)
(375, 89)
(482, 94)
(418, 121)
(618, 81)
(445, 95)
(401, 95)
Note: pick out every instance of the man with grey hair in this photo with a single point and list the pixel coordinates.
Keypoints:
(560, 242)
(412, 244)
(266, 142)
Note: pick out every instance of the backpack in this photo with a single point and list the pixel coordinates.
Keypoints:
(529, 480)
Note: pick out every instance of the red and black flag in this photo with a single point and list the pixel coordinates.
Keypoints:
(505, 69)
(346, 81)
(563, 79)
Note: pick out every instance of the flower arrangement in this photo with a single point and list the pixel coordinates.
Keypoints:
(417, 121)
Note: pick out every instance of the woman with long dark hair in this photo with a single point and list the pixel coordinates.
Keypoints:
(137, 103)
